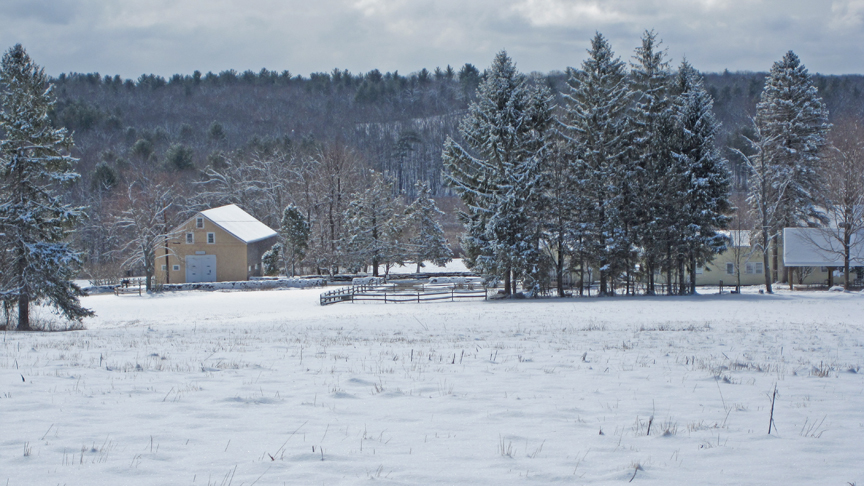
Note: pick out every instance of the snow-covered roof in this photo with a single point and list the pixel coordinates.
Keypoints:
(239, 223)
(740, 238)
(820, 247)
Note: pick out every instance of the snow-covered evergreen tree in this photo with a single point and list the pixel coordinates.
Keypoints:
(497, 175)
(792, 117)
(294, 232)
(425, 238)
(652, 192)
(34, 220)
(595, 124)
(271, 258)
(374, 226)
(704, 194)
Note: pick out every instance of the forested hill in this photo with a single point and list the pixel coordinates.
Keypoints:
(394, 122)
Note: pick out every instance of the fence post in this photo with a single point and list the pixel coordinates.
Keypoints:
(721, 286)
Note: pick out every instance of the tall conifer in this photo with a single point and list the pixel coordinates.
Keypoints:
(497, 175)
(34, 220)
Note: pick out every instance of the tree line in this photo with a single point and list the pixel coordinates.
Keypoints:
(626, 172)
(624, 177)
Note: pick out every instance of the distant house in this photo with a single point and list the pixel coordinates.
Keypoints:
(739, 259)
(216, 245)
(806, 248)
(744, 260)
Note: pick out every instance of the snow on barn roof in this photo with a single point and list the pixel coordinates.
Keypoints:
(239, 223)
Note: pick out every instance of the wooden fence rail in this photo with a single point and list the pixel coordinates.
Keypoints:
(390, 293)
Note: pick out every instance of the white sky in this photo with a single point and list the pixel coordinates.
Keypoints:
(179, 36)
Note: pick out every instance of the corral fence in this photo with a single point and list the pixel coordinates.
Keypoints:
(405, 292)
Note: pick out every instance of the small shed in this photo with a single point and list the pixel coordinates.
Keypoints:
(217, 245)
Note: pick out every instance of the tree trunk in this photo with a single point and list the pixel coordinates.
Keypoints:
(847, 237)
(765, 263)
(602, 282)
(775, 269)
(507, 281)
(559, 269)
(692, 274)
(24, 310)
(649, 266)
(582, 278)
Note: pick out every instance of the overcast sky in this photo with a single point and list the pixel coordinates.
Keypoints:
(132, 37)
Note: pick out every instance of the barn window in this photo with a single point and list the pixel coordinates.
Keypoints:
(175, 268)
(211, 238)
(199, 222)
(758, 268)
(730, 268)
(700, 270)
(164, 267)
(190, 238)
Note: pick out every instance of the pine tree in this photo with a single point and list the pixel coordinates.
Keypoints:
(652, 189)
(426, 241)
(506, 127)
(295, 232)
(374, 226)
(595, 124)
(704, 195)
(791, 116)
(34, 221)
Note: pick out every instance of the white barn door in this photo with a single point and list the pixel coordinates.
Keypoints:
(200, 268)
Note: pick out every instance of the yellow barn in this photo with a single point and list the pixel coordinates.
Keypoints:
(222, 244)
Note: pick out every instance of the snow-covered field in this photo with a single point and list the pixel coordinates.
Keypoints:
(268, 387)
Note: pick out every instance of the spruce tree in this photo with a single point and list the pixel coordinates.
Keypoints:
(595, 125)
(426, 241)
(704, 194)
(497, 175)
(34, 220)
(651, 190)
(295, 232)
(792, 118)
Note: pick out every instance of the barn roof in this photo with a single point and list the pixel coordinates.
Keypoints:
(239, 223)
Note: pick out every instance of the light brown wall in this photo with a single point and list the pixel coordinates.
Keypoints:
(230, 253)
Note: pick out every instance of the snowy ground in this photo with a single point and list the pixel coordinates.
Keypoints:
(269, 388)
